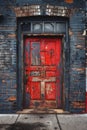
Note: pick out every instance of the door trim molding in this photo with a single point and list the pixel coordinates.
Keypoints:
(66, 63)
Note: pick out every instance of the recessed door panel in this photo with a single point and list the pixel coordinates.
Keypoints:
(42, 61)
(50, 90)
(35, 90)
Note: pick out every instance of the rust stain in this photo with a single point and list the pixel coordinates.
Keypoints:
(78, 69)
(79, 47)
(12, 35)
(69, 1)
(78, 104)
(3, 81)
(70, 32)
(12, 98)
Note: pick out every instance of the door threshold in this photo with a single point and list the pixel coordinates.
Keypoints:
(43, 111)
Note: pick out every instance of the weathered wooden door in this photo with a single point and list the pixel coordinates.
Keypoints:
(42, 61)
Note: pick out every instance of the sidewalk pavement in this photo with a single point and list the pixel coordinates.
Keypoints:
(43, 121)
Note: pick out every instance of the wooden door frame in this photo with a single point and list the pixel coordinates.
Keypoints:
(20, 67)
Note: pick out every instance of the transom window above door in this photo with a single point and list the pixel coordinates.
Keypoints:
(38, 27)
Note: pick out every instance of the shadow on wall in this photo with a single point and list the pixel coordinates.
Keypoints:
(23, 126)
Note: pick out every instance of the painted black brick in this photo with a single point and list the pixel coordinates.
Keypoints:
(79, 3)
(8, 59)
(8, 62)
(77, 62)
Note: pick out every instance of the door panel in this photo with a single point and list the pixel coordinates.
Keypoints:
(35, 53)
(35, 90)
(42, 61)
(50, 91)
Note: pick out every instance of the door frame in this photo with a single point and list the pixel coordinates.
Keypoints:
(26, 100)
(20, 67)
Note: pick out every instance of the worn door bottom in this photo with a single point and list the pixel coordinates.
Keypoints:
(27, 111)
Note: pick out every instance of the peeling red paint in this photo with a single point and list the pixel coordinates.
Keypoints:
(42, 69)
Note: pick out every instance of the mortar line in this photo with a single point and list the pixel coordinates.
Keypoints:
(58, 122)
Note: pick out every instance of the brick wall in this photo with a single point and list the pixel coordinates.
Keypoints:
(8, 59)
(77, 62)
(8, 68)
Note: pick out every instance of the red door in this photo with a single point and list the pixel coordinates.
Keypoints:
(43, 72)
